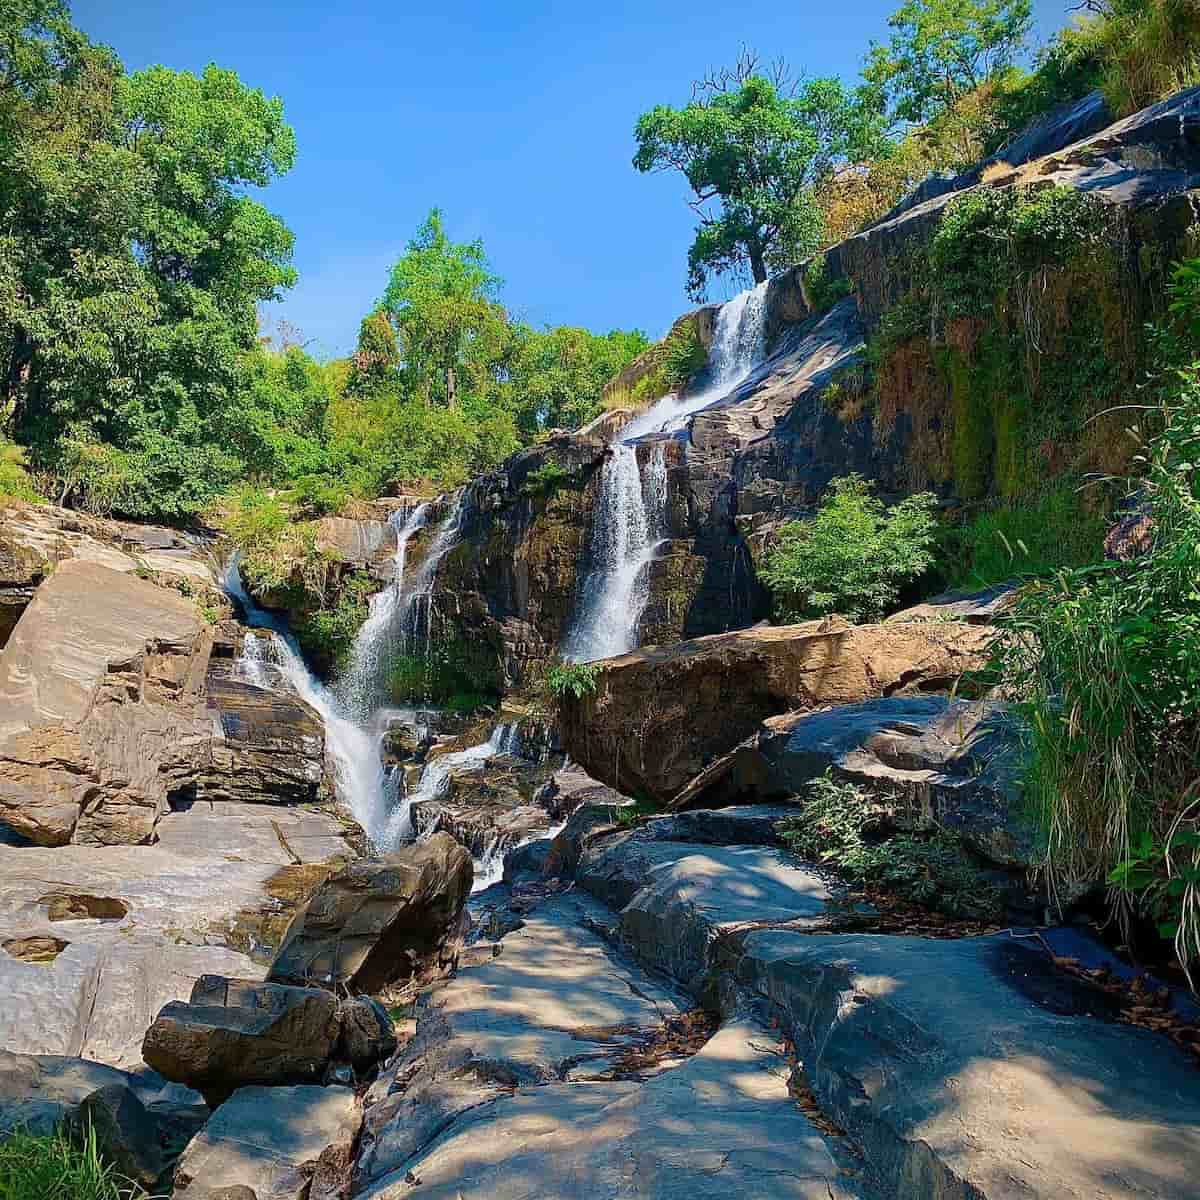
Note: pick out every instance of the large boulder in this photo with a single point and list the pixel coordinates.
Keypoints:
(374, 923)
(236, 1032)
(278, 1143)
(928, 760)
(660, 715)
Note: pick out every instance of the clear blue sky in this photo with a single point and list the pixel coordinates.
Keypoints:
(516, 119)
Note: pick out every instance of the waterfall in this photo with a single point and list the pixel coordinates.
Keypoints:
(414, 609)
(630, 520)
(355, 720)
(627, 529)
(739, 343)
(361, 687)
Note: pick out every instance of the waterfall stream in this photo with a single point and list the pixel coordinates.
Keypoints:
(630, 521)
(356, 718)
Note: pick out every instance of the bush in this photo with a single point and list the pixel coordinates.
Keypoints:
(545, 480)
(840, 827)
(56, 1168)
(852, 557)
(1106, 660)
(572, 679)
(328, 631)
(1149, 49)
(683, 354)
(15, 483)
(452, 672)
(821, 289)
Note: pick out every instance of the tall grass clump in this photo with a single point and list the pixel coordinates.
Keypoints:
(1149, 49)
(1106, 662)
(57, 1167)
(15, 483)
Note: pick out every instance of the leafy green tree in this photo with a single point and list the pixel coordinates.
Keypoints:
(853, 556)
(753, 148)
(557, 376)
(377, 358)
(131, 261)
(942, 49)
(442, 300)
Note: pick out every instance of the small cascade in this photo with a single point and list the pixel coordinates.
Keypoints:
(361, 686)
(739, 344)
(435, 778)
(628, 527)
(356, 720)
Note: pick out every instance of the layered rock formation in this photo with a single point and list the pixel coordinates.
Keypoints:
(659, 716)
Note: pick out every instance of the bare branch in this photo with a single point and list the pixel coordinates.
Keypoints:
(749, 63)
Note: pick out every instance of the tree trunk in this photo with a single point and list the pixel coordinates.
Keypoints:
(15, 378)
(451, 387)
(758, 267)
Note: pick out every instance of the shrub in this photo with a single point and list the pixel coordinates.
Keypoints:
(573, 679)
(1106, 660)
(545, 480)
(821, 289)
(683, 354)
(454, 672)
(55, 1167)
(1149, 49)
(15, 483)
(328, 631)
(842, 828)
(853, 556)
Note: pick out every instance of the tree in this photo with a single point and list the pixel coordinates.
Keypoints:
(442, 301)
(131, 261)
(753, 146)
(557, 376)
(942, 49)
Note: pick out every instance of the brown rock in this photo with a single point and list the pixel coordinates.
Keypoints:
(377, 922)
(236, 1032)
(660, 715)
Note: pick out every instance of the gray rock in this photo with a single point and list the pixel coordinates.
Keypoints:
(367, 1034)
(377, 922)
(127, 1136)
(740, 825)
(273, 1143)
(234, 1032)
(721, 1125)
(929, 760)
(41, 1092)
(972, 1068)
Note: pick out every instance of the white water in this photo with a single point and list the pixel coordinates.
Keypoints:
(435, 778)
(630, 523)
(738, 346)
(355, 723)
(628, 527)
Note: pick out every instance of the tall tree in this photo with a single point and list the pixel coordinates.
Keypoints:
(442, 301)
(131, 259)
(752, 146)
(942, 49)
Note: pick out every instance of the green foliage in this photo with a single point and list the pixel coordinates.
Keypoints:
(545, 480)
(15, 483)
(755, 149)
(452, 672)
(839, 826)
(821, 289)
(941, 50)
(131, 264)
(683, 355)
(1031, 539)
(1105, 660)
(852, 557)
(57, 1167)
(328, 631)
(573, 679)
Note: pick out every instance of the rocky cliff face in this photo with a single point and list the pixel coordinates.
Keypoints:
(845, 386)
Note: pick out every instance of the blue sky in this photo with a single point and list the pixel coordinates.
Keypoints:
(516, 119)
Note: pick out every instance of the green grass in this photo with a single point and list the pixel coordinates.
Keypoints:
(56, 1168)
(15, 483)
(573, 679)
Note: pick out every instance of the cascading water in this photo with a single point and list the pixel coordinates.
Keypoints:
(355, 724)
(738, 345)
(630, 522)
(627, 528)
(435, 778)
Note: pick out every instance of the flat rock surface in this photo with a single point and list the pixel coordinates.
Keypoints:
(101, 992)
(971, 1068)
(269, 1140)
(251, 833)
(721, 1125)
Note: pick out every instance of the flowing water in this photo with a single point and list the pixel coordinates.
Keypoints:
(356, 720)
(630, 522)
